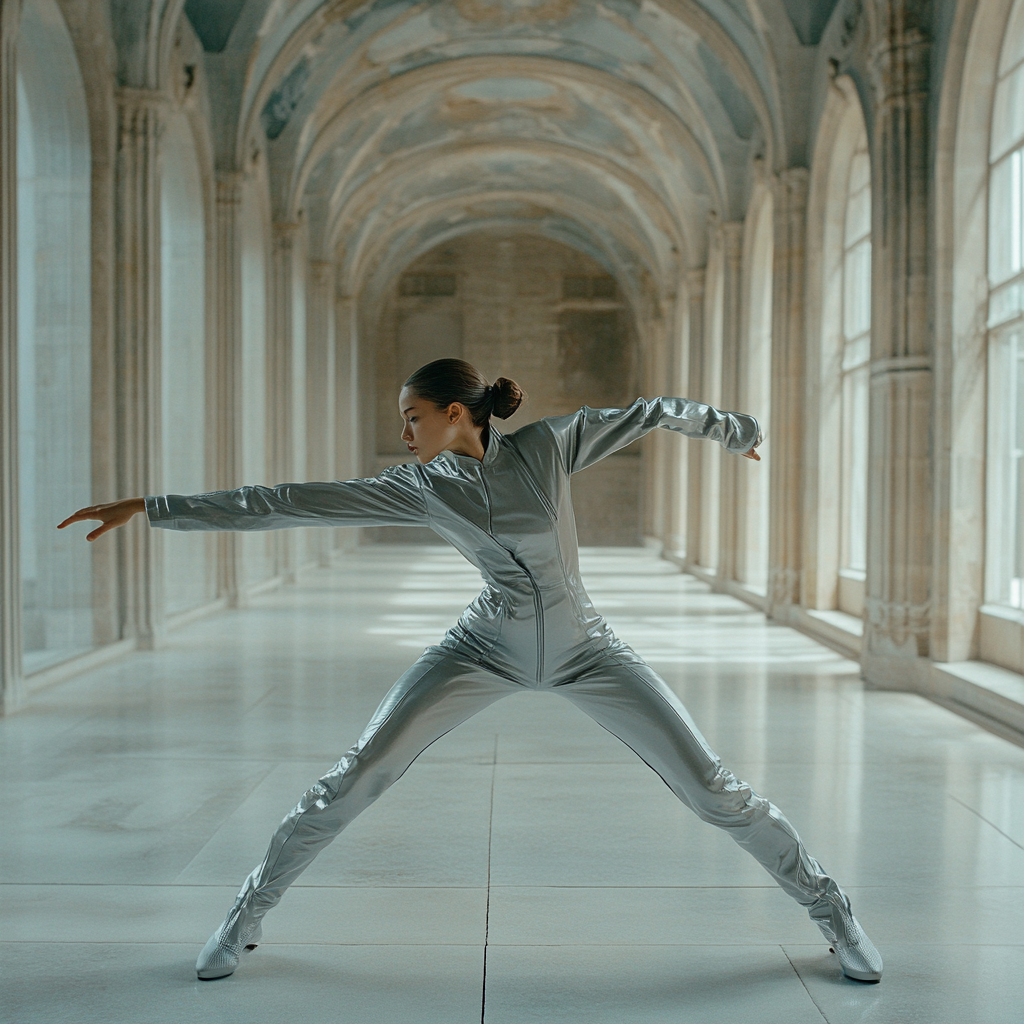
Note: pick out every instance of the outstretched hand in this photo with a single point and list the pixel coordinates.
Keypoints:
(111, 515)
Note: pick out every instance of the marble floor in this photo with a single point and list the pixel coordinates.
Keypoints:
(528, 867)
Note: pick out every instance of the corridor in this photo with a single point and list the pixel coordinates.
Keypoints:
(528, 867)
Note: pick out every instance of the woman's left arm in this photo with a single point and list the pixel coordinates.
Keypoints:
(592, 434)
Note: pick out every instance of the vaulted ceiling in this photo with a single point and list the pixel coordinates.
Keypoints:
(615, 125)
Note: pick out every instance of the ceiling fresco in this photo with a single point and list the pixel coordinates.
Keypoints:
(618, 126)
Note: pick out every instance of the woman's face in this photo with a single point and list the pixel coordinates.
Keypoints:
(429, 430)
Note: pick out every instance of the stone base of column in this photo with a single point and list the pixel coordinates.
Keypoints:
(896, 672)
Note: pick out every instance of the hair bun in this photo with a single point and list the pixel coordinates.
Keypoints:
(508, 396)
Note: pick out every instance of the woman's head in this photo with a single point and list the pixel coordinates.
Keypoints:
(448, 403)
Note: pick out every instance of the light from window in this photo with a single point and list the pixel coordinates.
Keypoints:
(1004, 561)
(856, 356)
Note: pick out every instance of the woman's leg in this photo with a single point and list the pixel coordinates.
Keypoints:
(630, 700)
(440, 691)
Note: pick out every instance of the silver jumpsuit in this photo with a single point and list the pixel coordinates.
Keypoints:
(533, 626)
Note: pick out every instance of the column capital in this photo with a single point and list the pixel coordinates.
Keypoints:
(229, 187)
(695, 280)
(731, 233)
(900, 65)
(321, 272)
(141, 111)
(791, 186)
(284, 232)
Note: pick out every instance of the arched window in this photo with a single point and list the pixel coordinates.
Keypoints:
(856, 355)
(187, 578)
(54, 339)
(1004, 569)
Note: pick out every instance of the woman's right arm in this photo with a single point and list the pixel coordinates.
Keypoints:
(391, 499)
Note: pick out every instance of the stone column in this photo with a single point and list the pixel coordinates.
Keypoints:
(280, 364)
(10, 571)
(228, 362)
(897, 602)
(731, 235)
(676, 455)
(695, 373)
(320, 384)
(346, 432)
(137, 245)
(788, 382)
(655, 452)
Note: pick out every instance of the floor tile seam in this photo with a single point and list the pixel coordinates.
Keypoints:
(982, 817)
(234, 885)
(244, 795)
(799, 978)
(493, 886)
(4, 943)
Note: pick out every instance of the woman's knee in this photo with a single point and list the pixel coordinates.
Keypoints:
(728, 802)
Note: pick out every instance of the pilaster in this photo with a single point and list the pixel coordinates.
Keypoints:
(346, 415)
(731, 236)
(787, 440)
(320, 431)
(281, 366)
(897, 603)
(228, 362)
(676, 463)
(137, 241)
(10, 572)
(695, 281)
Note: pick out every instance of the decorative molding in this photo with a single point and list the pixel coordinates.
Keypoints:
(897, 622)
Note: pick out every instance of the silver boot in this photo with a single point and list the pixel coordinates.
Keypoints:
(857, 955)
(225, 947)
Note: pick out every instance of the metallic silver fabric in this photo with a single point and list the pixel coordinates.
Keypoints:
(533, 626)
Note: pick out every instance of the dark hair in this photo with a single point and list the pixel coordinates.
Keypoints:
(454, 380)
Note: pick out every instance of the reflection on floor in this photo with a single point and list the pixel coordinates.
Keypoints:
(528, 867)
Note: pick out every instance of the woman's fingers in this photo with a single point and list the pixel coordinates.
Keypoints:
(77, 517)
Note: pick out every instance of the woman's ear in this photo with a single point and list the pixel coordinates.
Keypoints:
(455, 411)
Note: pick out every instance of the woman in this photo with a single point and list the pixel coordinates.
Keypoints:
(505, 503)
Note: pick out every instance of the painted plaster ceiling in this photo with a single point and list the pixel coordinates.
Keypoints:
(615, 125)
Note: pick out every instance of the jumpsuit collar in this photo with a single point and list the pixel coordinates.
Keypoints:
(490, 453)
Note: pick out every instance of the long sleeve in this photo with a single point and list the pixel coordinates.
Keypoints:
(594, 433)
(391, 499)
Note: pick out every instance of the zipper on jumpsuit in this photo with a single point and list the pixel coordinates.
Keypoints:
(538, 603)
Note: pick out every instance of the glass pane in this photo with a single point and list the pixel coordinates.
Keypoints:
(1004, 570)
(1004, 258)
(855, 469)
(1013, 41)
(1015, 513)
(1008, 114)
(858, 216)
(1004, 303)
(857, 290)
(54, 340)
(183, 347)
